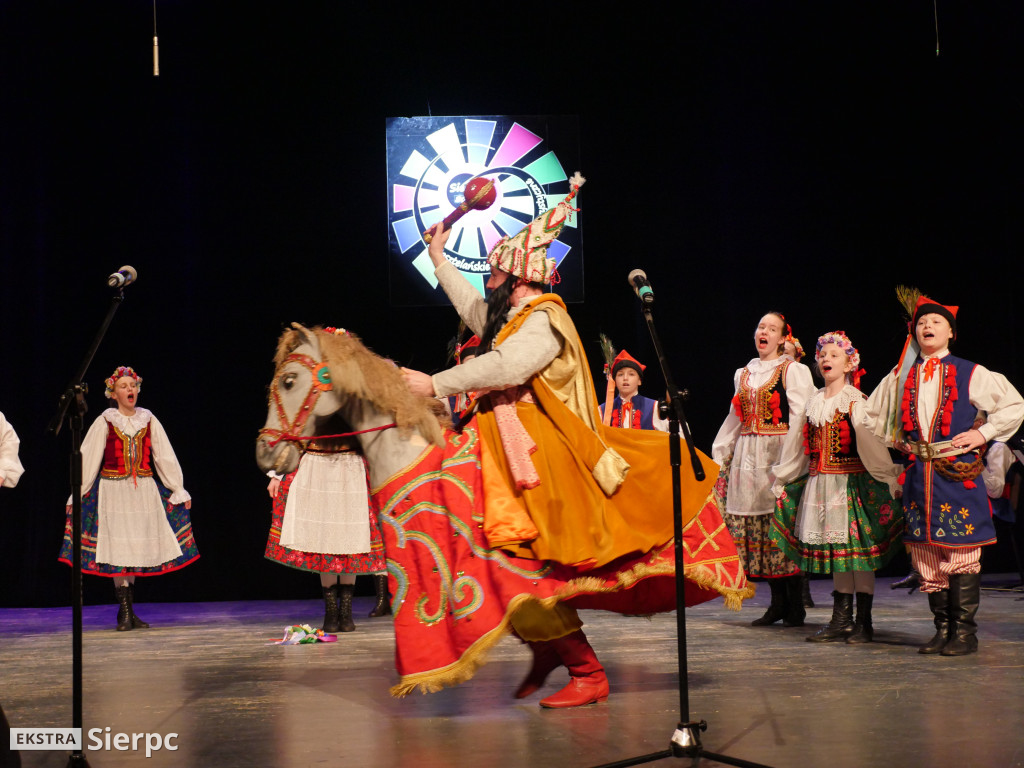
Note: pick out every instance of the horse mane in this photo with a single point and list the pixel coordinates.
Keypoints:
(359, 373)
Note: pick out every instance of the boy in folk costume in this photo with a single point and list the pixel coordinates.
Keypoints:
(927, 409)
(631, 410)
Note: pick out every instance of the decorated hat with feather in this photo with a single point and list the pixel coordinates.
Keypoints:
(525, 255)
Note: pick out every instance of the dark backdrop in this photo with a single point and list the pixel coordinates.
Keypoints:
(747, 155)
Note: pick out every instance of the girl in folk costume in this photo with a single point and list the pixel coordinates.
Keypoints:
(771, 392)
(835, 484)
(927, 409)
(792, 348)
(323, 521)
(629, 409)
(136, 522)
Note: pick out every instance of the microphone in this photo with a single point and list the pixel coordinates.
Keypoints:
(638, 279)
(124, 276)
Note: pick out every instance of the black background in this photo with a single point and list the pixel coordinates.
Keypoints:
(747, 155)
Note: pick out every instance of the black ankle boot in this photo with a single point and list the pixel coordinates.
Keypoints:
(777, 607)
(383, 606)
(137, 623)
(345, 608)
(863, 632)
(909, 582)
(939, 604)
(795, 611)
(805, 583)
(124, 609)
(964, 597)
(331, 622)
(840, 626)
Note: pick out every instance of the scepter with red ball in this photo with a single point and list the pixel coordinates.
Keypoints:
(480, 194)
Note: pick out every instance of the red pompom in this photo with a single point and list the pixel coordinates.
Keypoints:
(902, 478)
(969, 484)
(736, 405)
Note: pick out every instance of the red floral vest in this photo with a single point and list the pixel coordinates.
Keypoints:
(126, 456)
(763, 410)
(833, 446)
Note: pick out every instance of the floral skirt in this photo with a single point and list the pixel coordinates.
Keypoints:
(875, 528)
(177, 516)
(757, 551)
(316, 562)
(752, 536)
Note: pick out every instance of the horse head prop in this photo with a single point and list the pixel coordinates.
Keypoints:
(321, 373)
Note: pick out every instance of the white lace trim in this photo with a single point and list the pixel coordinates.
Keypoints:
(821, 411)
(128, 425)
(757, 365)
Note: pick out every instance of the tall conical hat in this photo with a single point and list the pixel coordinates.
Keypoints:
(525, 255)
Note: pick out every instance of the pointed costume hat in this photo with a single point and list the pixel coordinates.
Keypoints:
(525, 255)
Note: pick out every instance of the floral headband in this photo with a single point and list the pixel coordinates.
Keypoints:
(119, 373)
(800, 354)
(841, 340)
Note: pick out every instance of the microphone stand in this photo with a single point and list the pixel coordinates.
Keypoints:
(74, 394)
(685, 740)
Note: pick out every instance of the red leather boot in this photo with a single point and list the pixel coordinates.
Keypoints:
(588, 683)
(545, 661)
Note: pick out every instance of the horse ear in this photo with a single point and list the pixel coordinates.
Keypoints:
(307, 335)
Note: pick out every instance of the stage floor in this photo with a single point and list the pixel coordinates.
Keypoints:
(206, 672)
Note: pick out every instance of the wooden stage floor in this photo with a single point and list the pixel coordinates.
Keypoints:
(206, 672)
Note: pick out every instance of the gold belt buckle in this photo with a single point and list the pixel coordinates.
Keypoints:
(925, 451)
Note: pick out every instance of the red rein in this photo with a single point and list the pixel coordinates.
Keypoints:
(319, 383)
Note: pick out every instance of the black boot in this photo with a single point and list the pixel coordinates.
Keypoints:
(124, 609)
(137, 623)
(345, 608)
(777, 607)
(910, 582)
(383, 606)
(841, 625)
(331, 623)
(806, 594)
(795, 611)
(964, 596)
(863, 632)
(939, 603)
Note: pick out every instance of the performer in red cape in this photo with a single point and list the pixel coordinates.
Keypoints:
(558, 485)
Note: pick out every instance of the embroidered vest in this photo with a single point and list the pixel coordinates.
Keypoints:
(126, 456)
(947, 511)
(763, 410)
(638, 415)
(953, 415)
(833, 446)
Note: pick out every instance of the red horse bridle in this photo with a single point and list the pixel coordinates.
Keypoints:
(321, 382)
